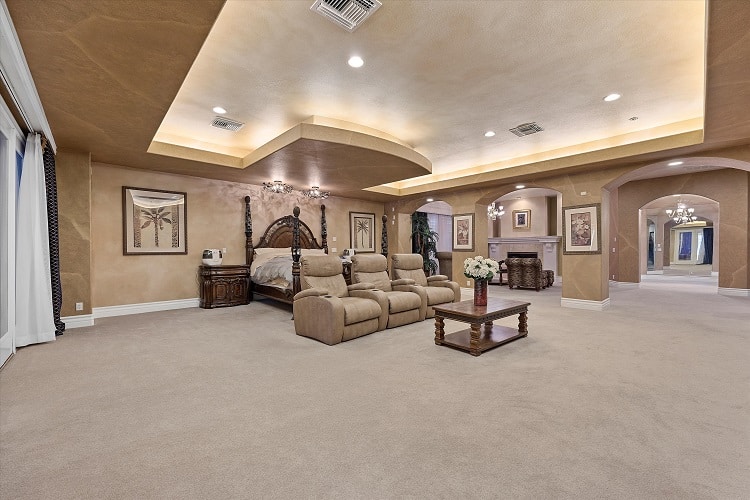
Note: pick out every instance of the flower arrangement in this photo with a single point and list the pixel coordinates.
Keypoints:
(480, 268)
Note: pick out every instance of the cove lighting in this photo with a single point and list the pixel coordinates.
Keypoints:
(219, 110)
(612, 97)
(356, 62)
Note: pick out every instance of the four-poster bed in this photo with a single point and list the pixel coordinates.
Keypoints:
(274, 261)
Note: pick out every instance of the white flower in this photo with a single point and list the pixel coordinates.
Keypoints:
(480, 267)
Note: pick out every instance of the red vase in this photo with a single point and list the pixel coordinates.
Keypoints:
(480, 292)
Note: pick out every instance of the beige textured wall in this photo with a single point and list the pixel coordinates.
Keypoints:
(215, 219)
(73, 170)
(729, 187)
(538, 226)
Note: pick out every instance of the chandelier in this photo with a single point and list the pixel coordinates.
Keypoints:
(316, 193)
(277, 187)
(682, 214)
(494, 212)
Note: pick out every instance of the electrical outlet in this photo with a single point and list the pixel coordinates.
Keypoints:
(334, 249)
(223, 251)
(334, 238)
(468, 283)
(79, 306)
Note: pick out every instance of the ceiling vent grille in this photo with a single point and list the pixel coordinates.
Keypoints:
(348, 14)
(227, 124)
(526, 129)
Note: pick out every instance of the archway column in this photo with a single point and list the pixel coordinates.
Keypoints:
(585, 283)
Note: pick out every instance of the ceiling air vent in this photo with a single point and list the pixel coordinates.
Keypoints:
(347, 13)
(526, 129)
(227, 124)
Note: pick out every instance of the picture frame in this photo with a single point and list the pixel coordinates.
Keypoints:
(463, 232)
(582, 229)
(522, 219)
(154, 221)
(362, 232)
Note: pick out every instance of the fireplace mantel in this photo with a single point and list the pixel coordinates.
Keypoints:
(545, 246)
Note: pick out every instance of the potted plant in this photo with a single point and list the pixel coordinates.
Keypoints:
(424, 241)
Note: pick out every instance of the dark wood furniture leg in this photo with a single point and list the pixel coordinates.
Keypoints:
(439, 330)
(522, 323)
(474, 342)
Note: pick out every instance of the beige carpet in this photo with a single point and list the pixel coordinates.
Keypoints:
(649, 399)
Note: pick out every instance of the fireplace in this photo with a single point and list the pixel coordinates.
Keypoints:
(523, 255)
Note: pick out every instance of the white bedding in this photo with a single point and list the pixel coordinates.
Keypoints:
(273, 266)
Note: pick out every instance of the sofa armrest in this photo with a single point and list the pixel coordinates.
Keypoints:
(380, 297)
(437, 277)
(311, 292)
(360, 286)
(320, 317)
(403, 281)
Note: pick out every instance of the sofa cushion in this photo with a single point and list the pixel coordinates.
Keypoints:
(403, 301)
(438, 295)
(410, 266)
(322, 271)
(357, 309)
(413, 274)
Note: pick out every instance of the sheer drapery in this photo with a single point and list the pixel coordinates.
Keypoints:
(34, 311)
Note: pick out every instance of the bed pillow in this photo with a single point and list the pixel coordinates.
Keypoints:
(275, 251)
(313, 251)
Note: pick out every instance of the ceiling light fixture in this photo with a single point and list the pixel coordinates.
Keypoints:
(520, 186)
(612, 97)
(489, 133)
(633, 118)
(315, 193)
(430, 200)
(277, 187)
(674, 163)
(682, 214)
(356, 62)
(494, 212)
(219, 110)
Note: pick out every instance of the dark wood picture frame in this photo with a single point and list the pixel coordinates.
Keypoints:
(161, 212)
(463, 232)
(582, 229)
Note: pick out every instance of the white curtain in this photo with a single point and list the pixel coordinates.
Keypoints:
(34, 315)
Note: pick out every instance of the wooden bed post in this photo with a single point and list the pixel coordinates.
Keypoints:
(324, 228)
(384, 237)
(248, 233)
(296, 252)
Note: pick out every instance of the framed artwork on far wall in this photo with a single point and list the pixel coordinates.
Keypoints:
(582, 229)
(463, 232)
(154, 222)
(362, 232)
(522, 219)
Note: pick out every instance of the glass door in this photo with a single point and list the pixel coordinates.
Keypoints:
(9, 137)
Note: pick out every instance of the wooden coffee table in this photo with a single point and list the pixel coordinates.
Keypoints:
(476, 340)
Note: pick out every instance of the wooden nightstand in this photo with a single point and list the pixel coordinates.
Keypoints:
(224, 286)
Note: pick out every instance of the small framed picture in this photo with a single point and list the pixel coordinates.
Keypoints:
(463, 232)
(581, 233)
(362, 232)
(521, 219)
(154, 222)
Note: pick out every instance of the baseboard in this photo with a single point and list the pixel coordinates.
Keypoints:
(124, 310)
(79, 321)
(624, 285)
(591, 305)
(734, 292)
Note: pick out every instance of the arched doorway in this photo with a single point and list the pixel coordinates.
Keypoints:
(434, 217)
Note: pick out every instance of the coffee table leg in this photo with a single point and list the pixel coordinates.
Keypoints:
(488, 328)
(522, 323)
(474, 342)
(439, 330)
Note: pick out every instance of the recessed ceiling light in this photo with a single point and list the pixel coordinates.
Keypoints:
(520, 186)
(219, 110)
(518, 198)
(612, 97)
(356, 62)
(674, 163)
(430, 199)
(489, 133)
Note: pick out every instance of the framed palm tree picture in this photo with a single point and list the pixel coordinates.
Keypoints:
(362, 232)
(154, 222)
